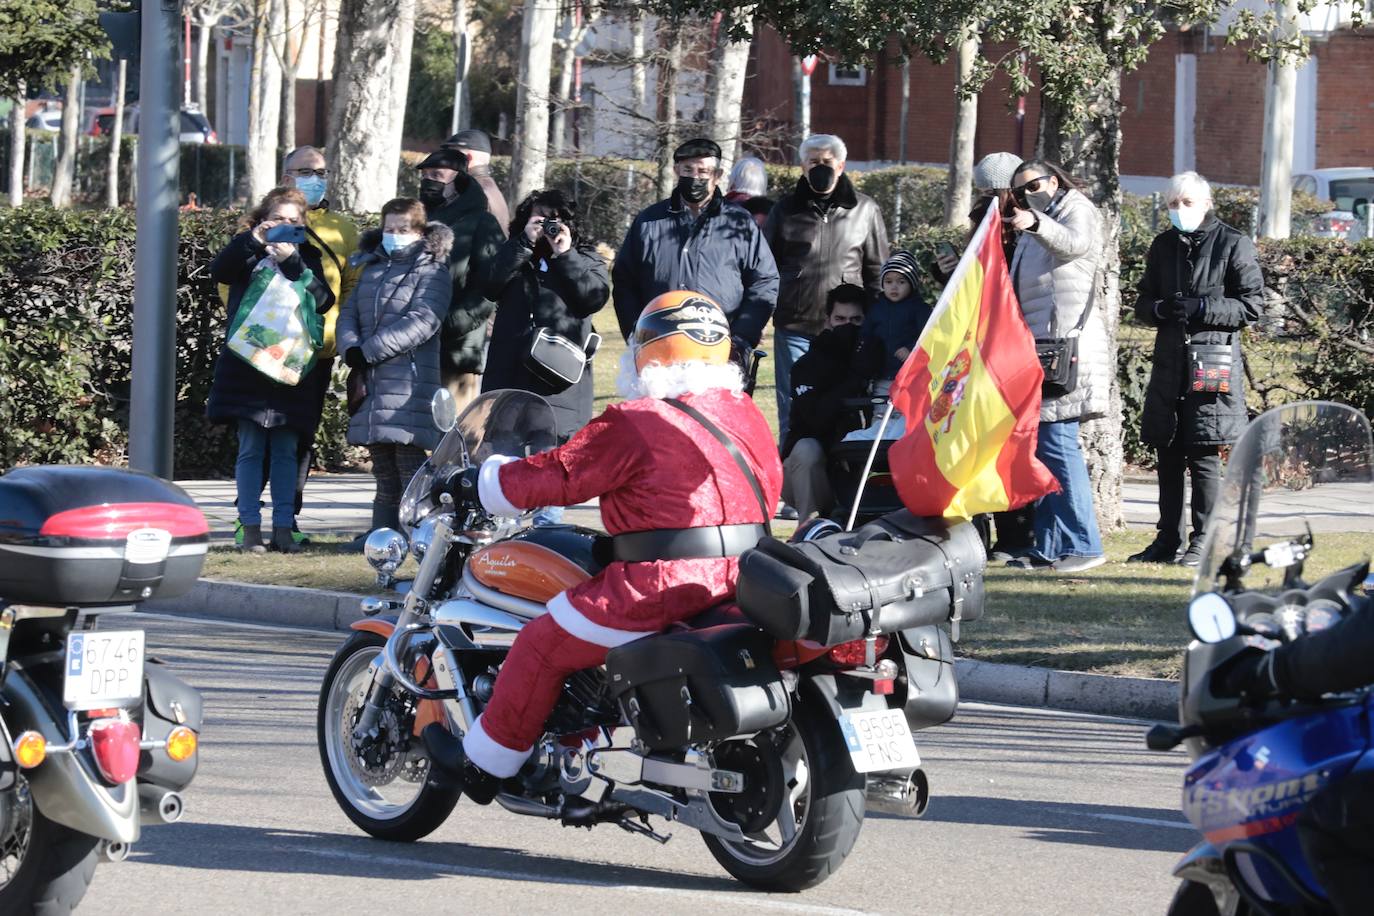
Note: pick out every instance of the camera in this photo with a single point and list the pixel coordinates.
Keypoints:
(552, 226)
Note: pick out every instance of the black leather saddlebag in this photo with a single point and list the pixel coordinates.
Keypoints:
(894, 573)
(932, 693)
(698, 685)
(168, 702)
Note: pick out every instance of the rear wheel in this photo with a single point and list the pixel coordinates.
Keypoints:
(802, 808)
(380, 782)
(45, 867)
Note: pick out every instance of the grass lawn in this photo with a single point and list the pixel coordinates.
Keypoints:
(1116, 619)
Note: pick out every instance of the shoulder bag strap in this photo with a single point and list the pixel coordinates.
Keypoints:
(1087, 309)
(734, 453)
(324, 247)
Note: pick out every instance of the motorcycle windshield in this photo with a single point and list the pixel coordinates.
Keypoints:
(1298, 468)
(514, 423)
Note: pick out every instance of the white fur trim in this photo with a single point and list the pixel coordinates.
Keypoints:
(489, 487)
(577, 624)
(675, 380)
(497, 759)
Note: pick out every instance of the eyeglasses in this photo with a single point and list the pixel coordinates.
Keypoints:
(306, 173)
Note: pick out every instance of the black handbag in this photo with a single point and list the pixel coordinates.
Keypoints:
(1059, 355)
(1209, 368)
(559, 361)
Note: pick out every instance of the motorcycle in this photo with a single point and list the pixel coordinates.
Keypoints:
(772, 748)
(97, 739)
(1262, 583)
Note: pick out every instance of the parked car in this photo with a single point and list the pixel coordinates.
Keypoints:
(195, 127)
(45, 119)
(1343, 187)
(102, 122)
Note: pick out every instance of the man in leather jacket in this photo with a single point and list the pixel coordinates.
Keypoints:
(675, 499)
(1336, 828)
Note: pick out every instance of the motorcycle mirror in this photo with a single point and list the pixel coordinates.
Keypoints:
(444, 409)
(1211, 618)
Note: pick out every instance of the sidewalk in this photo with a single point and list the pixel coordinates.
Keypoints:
(342, 504)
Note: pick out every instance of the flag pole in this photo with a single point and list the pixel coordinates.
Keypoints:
(868, 466)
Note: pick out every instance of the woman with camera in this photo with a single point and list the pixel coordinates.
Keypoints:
(545, 285)
(268, 262)
(1201, 285)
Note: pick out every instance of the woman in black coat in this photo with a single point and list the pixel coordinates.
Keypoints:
(271, 416)
(542, 278)
(1202, 284)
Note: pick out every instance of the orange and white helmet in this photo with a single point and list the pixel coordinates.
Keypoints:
(681, 326)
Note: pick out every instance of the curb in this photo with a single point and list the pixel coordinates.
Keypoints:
(988, 682)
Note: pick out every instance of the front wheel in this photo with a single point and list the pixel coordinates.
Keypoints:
(45, 868)
(381, 782)
(802, 807)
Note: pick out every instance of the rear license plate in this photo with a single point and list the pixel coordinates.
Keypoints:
(104, 668)
(879, 740)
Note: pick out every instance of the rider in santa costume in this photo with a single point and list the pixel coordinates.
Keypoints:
(676, 502)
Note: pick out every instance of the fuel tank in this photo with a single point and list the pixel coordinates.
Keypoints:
(537, 563)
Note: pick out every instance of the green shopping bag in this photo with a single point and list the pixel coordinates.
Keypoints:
(276, 329)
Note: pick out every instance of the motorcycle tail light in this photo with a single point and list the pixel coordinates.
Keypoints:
(181, 743)
(884, 687)
(854, 654)
(30, 749)
(114, 744)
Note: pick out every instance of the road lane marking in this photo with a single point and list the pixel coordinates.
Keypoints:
(1148, 821)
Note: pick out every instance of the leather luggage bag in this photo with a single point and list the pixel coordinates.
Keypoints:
(892, 574)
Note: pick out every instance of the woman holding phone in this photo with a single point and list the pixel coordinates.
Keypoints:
(270, 415)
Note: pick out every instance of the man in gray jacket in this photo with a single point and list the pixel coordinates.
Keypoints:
(822, 234)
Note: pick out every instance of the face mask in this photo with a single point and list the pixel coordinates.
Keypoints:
(821, 177)
(393, 242)
(313, 189)
(1186, 219)
(1041, 199)
(433, 193)
(693, 190)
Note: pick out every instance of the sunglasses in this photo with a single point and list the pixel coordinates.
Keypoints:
(1034, 185)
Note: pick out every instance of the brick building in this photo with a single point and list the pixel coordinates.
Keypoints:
(1195, 103)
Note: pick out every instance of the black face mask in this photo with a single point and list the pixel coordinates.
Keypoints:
(693, 190)
(432, 193)
(821, 177)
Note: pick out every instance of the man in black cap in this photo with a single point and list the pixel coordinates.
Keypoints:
(451, 197)
(693, 241)
(476, 146)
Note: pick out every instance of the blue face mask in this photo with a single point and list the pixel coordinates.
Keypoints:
(313, 189)
(393, 242)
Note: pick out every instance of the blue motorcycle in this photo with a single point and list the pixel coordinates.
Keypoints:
(1262, 583)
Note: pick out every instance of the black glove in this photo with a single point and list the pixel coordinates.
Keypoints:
(354, 358)
(462, 486)
(1190, 306)
(1249, 675)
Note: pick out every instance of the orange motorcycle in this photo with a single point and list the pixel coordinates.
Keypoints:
(768, 725)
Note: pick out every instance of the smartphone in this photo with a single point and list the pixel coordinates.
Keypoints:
(945, 250)
(287, 232)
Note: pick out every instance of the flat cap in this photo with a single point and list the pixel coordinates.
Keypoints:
(445, 159)
(472, 139)
(696, 148)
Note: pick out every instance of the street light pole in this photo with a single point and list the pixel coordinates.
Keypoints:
(153, 390)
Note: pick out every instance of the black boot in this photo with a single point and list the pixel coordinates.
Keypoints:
(283, 542)
(447, 759)
(1157, 552)
(252, 539)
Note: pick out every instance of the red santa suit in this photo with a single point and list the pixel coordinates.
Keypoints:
(654, 468)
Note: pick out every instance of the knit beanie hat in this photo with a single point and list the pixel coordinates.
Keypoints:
(903, 263)
(994, 171)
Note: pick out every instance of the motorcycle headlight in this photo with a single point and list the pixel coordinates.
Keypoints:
(385, 550)
(422, 537)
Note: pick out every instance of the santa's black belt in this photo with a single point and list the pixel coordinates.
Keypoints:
(686, 543)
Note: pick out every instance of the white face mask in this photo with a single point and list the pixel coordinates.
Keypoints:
(395, 241)
(1187, 219)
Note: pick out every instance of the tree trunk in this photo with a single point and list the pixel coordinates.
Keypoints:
(562, 103)
(669, 69)
(264, 102)
(287, 140)
(959, 187)
(116, 136)
(204, 39)
(532, 98)
(1280, 111)
(289, 49)
(639, 68)
(1093, 151)
(725, 95)
(64, 173)
(371, 75)
(801, 101)
(18, 138)
(461, 49)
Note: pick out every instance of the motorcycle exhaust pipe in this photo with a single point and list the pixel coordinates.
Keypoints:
(158, 806)
(114, 851)
(517, 805)
(901, 796)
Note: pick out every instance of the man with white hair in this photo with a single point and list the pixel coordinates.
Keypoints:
(1202, 284)
(694, 241)
(822, 234)
(749, 188)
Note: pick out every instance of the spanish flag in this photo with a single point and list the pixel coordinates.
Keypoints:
(970, 393)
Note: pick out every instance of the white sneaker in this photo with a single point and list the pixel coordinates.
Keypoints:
(1078, 564)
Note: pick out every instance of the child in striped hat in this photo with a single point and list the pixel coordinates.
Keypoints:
(896, 319)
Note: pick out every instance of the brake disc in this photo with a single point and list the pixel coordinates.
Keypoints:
(377, 759)
(757, 806)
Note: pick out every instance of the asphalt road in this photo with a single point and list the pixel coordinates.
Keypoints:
(1032, 812)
